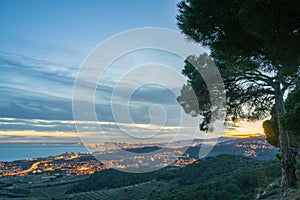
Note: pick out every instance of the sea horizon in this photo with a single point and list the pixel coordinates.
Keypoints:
(24, 151)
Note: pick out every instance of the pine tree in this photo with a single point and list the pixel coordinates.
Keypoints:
(257, 45)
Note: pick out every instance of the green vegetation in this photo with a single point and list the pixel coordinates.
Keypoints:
(139, 191)
(238, 184)
(290, 120)
(255, 45)
(143, 149)
(271, 129)
(226, 176)
(110, 178)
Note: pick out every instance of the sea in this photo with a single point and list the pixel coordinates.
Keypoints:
(22, 151)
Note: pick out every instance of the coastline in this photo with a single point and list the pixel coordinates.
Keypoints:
(25, 151)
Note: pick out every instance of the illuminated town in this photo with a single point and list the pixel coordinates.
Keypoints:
(135, 156)
(70, 164)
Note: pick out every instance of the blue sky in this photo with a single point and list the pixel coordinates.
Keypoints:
(54, 29)
(43, 44)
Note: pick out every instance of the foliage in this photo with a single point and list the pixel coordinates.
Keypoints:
(245, 32)
(225, 176)
(290, 120)
(110, 178)
(256, 45)
(271, 129)
(249, 58)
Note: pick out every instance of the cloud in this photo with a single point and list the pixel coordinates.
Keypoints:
(37, 129)
(34, 76)
(36, 96)
(35, 136)
(244, 129)
(37, 88)
(36, 65)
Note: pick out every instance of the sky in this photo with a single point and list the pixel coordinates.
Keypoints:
(43, 45)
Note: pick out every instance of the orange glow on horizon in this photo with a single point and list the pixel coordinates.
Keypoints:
(28, 134)
(246, 135)
(244, 129)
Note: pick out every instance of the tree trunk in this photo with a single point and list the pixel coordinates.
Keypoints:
(287, 155)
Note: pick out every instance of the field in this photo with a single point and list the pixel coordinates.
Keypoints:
(139, 191)
(222, 177)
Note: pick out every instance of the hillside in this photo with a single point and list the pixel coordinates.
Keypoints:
(226, 176)
(254, 147)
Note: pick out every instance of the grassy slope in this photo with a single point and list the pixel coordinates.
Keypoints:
(222, 177)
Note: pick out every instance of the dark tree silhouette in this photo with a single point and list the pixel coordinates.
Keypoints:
(290, 121)
(257, 45)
